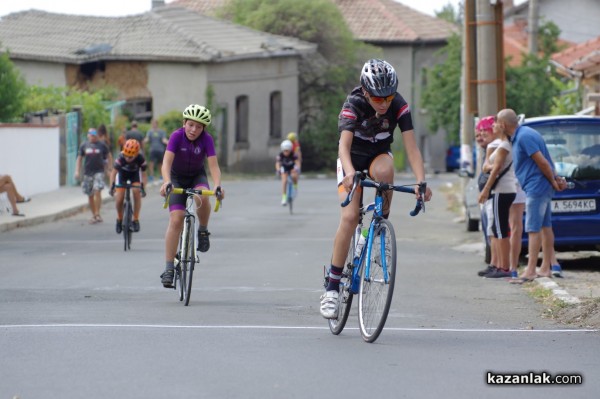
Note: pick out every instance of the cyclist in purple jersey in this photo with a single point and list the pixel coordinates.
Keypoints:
(183, 167)
(366, 124)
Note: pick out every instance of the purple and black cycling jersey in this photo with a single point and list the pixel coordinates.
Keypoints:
(190, 155)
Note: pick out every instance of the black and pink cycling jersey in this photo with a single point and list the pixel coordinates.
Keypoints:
(372, 134)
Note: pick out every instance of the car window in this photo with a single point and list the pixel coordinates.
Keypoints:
(574, 147)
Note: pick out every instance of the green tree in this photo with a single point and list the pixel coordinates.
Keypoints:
(451, 14)
(63, 99)
(325, 77)
(12, 90)
(530, 87)
(533, 86)
(441, 95)
(568, 101)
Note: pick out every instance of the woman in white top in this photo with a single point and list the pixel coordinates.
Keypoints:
(503, 178)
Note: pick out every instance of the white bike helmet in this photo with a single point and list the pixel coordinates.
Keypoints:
(286, 145)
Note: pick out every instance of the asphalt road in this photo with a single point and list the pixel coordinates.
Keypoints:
(79, 318)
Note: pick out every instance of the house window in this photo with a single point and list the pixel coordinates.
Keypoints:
(241, 119)
(139, 109)
(275, 115)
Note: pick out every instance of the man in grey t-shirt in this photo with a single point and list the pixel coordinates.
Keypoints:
(156, 139)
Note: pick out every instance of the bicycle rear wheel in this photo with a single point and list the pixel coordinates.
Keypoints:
(377, 288)
(187, 260)
(345, 295)
(126, 226)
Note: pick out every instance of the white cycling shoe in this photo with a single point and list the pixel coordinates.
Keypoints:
(329, 304)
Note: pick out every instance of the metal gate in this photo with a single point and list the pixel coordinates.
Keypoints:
(72, 146)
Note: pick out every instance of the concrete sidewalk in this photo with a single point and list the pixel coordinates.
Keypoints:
(47, 207)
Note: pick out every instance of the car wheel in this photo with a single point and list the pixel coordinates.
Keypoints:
(472, 224)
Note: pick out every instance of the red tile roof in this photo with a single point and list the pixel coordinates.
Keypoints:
(389, 21)
(516, 42)
(581, 57)
(370, 20)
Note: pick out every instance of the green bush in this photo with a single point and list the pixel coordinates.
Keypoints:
(13, 90)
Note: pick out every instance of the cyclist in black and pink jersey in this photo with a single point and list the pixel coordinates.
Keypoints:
(183, 167)
(366, 124)
(129, 165)
(287, 162)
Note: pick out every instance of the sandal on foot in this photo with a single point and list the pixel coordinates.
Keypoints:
(521, 280)
(18, 214)
(98, 219)
(25, 199)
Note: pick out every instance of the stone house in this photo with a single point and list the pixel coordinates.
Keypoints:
(408, 38)
(165, 59)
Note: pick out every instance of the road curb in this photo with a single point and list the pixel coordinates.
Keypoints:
(557, 290)
(35, 220)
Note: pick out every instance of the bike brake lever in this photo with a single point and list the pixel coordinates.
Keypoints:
(358, 176)
(167, 195)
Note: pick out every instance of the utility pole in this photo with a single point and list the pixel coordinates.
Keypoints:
(487, 76)
(483, 84)
(532, 27)
(468, 104)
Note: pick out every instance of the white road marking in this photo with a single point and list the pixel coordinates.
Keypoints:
(271, 327)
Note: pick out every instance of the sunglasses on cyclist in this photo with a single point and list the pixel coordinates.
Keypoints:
(379, 100)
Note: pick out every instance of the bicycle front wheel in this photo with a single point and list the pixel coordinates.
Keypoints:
(177, 277)
(187, 260)
(126, 225)
(290, 195)
(377, 283)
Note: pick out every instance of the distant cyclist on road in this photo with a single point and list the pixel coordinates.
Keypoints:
(366, 124)
(183, 167)
(129, 165)
(287, 163)
(293, 137)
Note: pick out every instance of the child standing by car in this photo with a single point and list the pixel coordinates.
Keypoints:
(130, 165)
(183, 167)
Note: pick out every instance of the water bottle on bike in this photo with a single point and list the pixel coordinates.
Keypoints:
(362, 239)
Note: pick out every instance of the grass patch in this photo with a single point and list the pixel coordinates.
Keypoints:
(552, 305)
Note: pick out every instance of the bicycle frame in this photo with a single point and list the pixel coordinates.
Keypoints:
(377, 209)
(190, 217)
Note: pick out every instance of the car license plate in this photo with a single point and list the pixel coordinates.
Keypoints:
(574, 205)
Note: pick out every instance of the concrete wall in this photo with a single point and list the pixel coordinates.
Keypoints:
(577, 20)
(41, 73)
(30, 154)
(409, 61)
(175, 86)
(256, 79)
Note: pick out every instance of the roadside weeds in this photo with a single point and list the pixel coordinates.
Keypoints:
(585, 314)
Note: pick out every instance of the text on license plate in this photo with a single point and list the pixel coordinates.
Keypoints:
(574, 205)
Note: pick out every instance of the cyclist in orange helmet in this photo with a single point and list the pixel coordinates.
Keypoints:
(130, 165)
